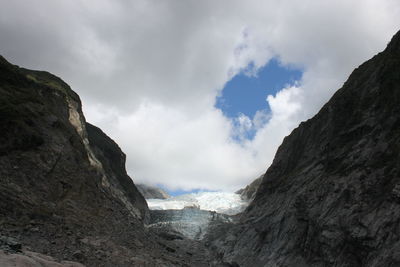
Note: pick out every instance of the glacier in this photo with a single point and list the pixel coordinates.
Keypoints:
(190, 215)
(220, 202)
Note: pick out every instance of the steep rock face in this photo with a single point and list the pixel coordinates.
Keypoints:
(332, 195)
(113, 163)
(152, 192)
(64, 191)
(53, 189)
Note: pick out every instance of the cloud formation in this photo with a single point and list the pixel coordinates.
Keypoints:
(149, 72)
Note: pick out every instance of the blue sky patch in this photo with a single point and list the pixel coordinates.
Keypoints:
(179, 192)
(247, 94)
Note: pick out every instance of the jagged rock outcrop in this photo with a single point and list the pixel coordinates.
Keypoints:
(332, 194)
(249, 192)
(152, 192)
(64, 191)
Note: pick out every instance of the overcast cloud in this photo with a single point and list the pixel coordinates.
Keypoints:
(149, 71)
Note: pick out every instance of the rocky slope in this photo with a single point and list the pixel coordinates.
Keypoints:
(332, 195)
(32, 259)
(151, 192)
(64, 191)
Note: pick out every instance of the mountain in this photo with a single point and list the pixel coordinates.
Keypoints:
(249, 192)
(330, 198)
(332, 194)
(152, 192)
(64, 191)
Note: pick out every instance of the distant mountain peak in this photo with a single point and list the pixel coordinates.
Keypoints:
(150, 192)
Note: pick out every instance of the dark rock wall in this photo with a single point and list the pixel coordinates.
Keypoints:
(113, 162)
(332, 195)
(40, 149)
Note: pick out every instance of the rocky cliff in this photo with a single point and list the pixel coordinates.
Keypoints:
(332, 194)
(64, 191)
(152, 192)
(113, 162)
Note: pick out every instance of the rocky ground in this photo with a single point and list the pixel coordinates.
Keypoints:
(12, 254)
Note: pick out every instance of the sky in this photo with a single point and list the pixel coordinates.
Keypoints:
(245, 94)
(198, 94)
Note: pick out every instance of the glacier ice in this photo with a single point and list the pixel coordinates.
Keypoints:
(221, 202)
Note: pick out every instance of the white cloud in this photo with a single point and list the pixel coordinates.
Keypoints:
(149, 71)
(178, 149)
(242, 125)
